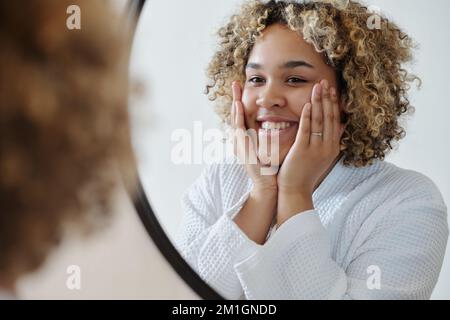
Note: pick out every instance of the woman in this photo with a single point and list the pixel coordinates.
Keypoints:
(336, 221)
(64, 123)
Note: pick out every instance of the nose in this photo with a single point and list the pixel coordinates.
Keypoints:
(271, 96)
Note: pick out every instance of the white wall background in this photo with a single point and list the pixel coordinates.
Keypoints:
(174, 43)
(425, 148)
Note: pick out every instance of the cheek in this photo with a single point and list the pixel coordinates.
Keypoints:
(249, 102)
(250, 109)
(298, 101)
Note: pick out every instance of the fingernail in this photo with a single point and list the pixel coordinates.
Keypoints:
(233, 89)
(318, 90)
(325, 84)
(333, 92)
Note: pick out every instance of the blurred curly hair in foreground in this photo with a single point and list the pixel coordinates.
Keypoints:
(63, 98)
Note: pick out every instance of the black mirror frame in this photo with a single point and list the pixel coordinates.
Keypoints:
(149, 219)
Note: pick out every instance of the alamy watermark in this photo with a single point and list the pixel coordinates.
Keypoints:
(73, 21)
(374, 280)
(374, 21)
(207, 146)
(73, 281)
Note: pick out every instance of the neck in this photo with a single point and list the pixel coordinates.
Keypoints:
(325, 174)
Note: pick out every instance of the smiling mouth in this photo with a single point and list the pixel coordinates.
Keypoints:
(269, 125)
(272, 127)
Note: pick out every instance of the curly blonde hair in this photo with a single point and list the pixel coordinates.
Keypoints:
(64, 125)
(368, 63)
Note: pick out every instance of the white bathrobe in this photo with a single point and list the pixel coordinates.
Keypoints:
(378, 232)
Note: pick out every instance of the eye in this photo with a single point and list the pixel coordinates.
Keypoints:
(255, 80)
(296, 80)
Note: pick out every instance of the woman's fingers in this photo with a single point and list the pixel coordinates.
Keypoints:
(233, 115)
(238, 107)
(234, 119)
(323, 117)
(316, 116)
(246, 140)
(338, 126)
(304, 130)
(234, 89)
(328, 114)
(237, 96)
(240, 115)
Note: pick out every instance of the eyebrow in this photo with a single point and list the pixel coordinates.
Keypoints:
(287, 65)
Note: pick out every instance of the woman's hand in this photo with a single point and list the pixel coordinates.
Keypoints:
(312, 154)
(247, 152)
(256, 216)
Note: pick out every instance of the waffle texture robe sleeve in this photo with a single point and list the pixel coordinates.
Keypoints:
(209, 240)
(399, 255)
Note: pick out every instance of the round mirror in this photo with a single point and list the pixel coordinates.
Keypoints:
(193, 191)
(155, 64)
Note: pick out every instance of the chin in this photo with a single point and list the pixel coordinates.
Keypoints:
(275, 162)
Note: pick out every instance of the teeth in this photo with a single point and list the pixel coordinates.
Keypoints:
(266, 125)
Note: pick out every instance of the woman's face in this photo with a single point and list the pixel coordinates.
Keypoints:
(281, 72)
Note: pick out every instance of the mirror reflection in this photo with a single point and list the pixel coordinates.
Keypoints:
(269, 160)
